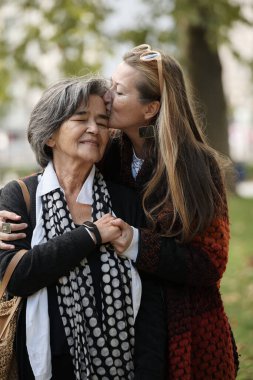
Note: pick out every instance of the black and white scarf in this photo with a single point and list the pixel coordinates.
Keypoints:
(99, 349)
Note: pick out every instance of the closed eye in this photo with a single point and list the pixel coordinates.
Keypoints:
(102, 125)
(76, 118)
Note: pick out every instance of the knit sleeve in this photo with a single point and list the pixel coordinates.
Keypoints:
(44, 264)
(201, 262)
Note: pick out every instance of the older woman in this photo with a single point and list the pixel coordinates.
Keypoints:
(77, 319)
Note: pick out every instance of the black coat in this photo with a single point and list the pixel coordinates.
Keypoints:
(45, 263)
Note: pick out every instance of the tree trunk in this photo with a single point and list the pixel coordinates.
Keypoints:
(205, 73)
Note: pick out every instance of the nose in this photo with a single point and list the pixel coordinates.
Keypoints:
(92, 128)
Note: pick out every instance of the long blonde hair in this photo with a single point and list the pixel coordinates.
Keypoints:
(187, 168)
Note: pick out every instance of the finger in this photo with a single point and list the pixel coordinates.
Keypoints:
(118, 222)
(108, 217)
(9, 215)
(11, 237)
(113, 229)
(105, 219)
(18, 227)
(14, 228)
(5, 246)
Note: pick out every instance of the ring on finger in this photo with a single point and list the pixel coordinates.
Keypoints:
(6, 228)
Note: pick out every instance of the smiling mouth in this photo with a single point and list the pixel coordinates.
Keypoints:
(95, 143)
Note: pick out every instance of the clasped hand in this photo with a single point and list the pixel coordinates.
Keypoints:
(115, 231)
(112, 229)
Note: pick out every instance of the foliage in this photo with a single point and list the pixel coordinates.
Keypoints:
(217, 17)
(159, 23)
(155, 26)
(196, 30)
(70, 31)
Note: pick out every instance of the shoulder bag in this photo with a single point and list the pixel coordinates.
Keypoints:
(9, 312)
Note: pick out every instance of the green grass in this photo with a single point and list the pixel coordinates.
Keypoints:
(237, 283)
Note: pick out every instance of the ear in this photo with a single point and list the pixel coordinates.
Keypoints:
(151, 109)
(51, 142)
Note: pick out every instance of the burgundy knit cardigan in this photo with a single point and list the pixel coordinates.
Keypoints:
(200, 340)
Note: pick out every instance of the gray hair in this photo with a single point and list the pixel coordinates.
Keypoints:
(57, 104)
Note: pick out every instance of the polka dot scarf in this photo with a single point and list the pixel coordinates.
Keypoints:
(100, 348)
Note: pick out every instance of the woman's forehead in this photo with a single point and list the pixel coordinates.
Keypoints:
(125, 74)
(94, 103)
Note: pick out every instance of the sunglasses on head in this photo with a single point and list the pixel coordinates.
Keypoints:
(152, 55)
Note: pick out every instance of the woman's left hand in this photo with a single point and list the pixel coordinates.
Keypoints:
(124, 240)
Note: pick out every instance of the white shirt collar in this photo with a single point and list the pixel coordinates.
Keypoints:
(49, 182)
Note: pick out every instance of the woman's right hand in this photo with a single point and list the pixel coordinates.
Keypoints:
(107, 231)
(15, 235)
